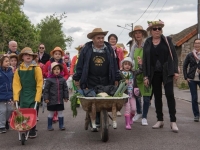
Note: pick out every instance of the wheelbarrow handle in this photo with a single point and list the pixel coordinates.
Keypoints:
(35, 105)
(16, 104)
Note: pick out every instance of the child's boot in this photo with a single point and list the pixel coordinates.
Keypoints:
(61, 123)
(50, 121)
(127, 119)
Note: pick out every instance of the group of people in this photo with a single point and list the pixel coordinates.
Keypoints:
(22, 82)
(152, 64)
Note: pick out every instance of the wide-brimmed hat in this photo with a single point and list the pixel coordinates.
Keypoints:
(79, 47)
(57, 49)
(138, 28)
(151, 24)
(13, 55)
(27, 50)
(96, 31)
(129, 59)
(54, 64)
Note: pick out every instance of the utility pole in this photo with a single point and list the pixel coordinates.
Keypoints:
(198, 15)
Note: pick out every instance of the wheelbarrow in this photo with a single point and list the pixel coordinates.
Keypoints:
(26, 112)
(103, 105)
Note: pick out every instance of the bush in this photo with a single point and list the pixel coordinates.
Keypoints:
(183, 86)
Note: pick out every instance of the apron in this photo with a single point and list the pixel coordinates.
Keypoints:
(28, 91)
(139, 79)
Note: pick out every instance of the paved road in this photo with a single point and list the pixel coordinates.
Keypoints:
(139, 138)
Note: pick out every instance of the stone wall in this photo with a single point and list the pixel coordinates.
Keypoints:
(182, 52)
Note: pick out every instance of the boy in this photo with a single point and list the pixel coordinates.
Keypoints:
(27, 83)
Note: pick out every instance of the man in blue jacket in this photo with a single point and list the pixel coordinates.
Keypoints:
(96, 64)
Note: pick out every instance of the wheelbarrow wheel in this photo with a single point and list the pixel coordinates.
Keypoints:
(104, 124)
(23, 138)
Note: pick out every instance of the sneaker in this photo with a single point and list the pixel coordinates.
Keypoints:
(144, 122)
(2, 130)
(94, 129)
(32, 134)
(136, 117)
(38, 119)
(196, 119)
(114, 125)
(119, 114)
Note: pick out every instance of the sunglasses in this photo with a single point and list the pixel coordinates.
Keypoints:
(159, 29)
(41, 47)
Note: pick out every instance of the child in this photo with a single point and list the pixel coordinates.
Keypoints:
(56, 54)
(27, 83)
(6, 94)
(127, 65)
(13, 61)
(54, 92)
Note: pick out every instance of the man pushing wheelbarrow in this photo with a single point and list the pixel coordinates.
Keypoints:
(27, 83)
(97, 66)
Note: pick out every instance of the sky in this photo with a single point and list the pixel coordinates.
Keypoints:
(85, 15)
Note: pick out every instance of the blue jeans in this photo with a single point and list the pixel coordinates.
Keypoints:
(193, 91)
(146, 100)
(138, 104)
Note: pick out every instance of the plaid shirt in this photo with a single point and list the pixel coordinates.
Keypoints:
(101, 50)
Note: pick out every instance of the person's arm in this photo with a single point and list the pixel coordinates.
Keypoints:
(39, 83)
(185, 66)
(65, 70)
(72, 65)
(139, 70)
(16, 86)
(45, 69)
(79, 66)
(174, 55)
(46, 90)
(144, 60)
(65, 91)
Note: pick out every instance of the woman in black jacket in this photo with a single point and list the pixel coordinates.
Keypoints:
(160, 66)
(193, 76)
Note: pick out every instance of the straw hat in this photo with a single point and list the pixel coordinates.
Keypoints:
(96, 31)
(13, 55)
(79, 47)
(154, 23)
(27, 50)
(129, 60)
(138, 28)
(54, 64)
(57, 49)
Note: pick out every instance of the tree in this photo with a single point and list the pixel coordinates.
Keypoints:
(15, 25)
(51, 33)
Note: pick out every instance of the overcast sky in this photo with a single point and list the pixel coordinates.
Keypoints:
(85, 15)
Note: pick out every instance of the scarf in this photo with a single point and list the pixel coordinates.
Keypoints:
(196, 55)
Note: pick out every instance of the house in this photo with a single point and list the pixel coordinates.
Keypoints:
(183, 42)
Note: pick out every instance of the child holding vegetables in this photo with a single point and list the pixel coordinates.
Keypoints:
(129, 75)
(27, 83)
(55, 91)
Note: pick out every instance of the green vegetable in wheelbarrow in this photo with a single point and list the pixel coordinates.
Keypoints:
(21, 122)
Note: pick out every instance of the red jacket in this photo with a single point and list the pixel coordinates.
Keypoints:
(46, 71)
(73, 64)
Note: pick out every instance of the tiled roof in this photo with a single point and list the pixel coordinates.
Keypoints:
(181, 37)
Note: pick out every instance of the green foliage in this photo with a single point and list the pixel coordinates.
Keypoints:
(183, 86)
(15, 25)
(51, 33)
